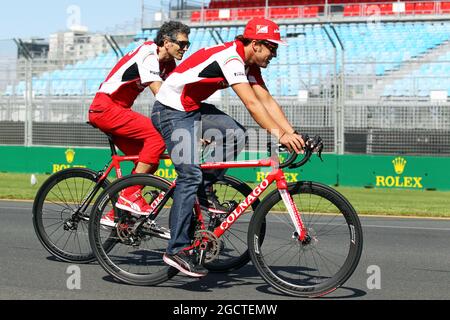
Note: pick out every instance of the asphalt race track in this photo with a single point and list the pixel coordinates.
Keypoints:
(402, 259)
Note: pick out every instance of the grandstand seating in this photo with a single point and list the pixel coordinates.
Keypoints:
(445, 7)
(292, 9)
(430, 76)
(224, 4)
(220, 4)
(353, 10)
(307, 61)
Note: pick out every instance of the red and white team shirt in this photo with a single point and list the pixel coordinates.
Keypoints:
(134, 72)
(205, 72)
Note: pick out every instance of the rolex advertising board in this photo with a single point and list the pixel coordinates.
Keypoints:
(396, 171)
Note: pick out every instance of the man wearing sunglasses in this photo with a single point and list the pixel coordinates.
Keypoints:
(111, 111)
(180, 105)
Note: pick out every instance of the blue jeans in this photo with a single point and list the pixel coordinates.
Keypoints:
(229, 140)
(182, 132)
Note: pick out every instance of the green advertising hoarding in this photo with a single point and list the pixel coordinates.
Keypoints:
(406, 172)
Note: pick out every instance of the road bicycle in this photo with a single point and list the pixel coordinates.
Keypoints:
(305, 239)
(62, 206)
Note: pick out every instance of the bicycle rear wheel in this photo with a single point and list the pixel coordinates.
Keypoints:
(233, 244)
(59, 222)
(137, 255)
(311, 268)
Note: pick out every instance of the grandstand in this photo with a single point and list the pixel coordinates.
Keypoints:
(387, 45)
(230, 10)
(342, 54)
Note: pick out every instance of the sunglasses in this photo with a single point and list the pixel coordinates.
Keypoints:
(272, 47)
(181, 44)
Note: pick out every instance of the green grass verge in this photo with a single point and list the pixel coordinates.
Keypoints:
(18, 186)
(398, 202)
(365, 201)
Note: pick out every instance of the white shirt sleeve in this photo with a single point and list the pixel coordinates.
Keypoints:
(149, 68)
(233, 67)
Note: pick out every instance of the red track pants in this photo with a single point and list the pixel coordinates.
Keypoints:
(133, 133)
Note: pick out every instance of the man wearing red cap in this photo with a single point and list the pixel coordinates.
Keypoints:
(179, 109)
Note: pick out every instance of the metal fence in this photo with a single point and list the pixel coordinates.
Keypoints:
(352, 111)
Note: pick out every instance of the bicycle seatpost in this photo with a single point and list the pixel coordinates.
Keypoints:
(112, 146)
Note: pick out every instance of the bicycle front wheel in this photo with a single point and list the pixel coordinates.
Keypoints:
(321, 263)
(59, 219)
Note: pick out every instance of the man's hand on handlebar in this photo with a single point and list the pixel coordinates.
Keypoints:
(293, 141)
(314, 144)
(310, 145)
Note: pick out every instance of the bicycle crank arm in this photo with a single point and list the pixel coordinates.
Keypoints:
(156, 231)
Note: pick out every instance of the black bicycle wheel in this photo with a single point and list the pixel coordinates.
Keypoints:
(233, 253)
(321, 263)
(59, 222)
(137, 255)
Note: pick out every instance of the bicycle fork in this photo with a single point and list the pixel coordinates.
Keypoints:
(301, 233)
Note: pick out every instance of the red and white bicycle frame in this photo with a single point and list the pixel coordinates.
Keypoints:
(115, 164)
(277, 175)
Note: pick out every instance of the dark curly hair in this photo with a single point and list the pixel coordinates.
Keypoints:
(245, 41)
(170, 30)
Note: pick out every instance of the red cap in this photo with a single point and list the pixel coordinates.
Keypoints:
(263, 29)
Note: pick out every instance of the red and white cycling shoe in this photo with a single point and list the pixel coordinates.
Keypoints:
(134, 203)
(108, 219)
